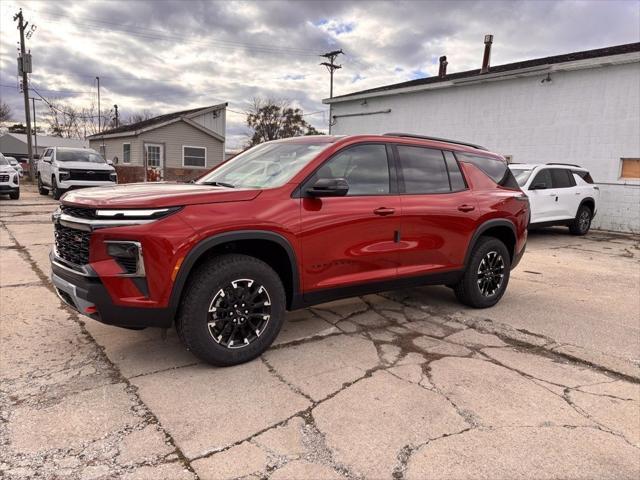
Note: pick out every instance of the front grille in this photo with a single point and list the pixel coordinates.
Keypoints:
(72, 245)
(90, 175)
(4, 178)
(78, 212)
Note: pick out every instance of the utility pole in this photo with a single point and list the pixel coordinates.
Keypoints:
(98, 79)
(115, 107)
(331, 66)
(24, 67)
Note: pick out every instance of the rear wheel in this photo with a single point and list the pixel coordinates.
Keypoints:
(232, 310)
(487, 275)
(41, 189)
(56, 193)
(581, 224)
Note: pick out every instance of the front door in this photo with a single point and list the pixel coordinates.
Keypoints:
(351, 239)
(543, 198)
(154, 154)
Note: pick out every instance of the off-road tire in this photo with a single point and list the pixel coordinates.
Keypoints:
(56, 193)
(41, 189)
(193, 314)
(14, 195)
(581, 224)
(467, 290)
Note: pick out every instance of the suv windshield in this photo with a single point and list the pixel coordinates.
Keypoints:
(264, 166)
(521, 174)
(78, 155)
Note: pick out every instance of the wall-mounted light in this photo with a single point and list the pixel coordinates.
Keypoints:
(546, 79)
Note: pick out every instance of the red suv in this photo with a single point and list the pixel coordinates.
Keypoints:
(285, 225)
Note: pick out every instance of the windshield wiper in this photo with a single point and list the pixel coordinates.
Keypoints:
(219, 184)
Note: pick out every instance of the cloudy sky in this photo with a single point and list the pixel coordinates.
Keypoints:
(165, 56)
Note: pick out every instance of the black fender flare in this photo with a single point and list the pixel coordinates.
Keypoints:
(208, 243)
(496, 222)
(585, 200)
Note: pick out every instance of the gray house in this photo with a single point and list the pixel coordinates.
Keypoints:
(175, 146)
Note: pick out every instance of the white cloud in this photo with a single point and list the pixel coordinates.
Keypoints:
(166, 56)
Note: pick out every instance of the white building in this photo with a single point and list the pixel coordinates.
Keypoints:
(581, 108)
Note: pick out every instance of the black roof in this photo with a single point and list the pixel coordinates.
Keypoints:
(132, 127)
(567, 57)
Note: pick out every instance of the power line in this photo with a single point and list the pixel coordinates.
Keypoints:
(87, 23)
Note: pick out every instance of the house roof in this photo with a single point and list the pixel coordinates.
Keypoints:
(47, 141)
(158, 121)
(509, 67)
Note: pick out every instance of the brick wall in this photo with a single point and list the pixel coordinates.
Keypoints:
(619, 208)
(133, 174)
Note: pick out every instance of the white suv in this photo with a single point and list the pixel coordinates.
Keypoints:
(9, 179)
(559, 194)
(61, 169)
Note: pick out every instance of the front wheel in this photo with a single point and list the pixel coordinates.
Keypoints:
(232, 310)
(14, 195)
(41, 189)
(581, 224)
(56, 193)
(487, 275)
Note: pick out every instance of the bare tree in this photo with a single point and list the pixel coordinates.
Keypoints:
(5, 112)
(272, 119)
(62, 120)
(138, 116)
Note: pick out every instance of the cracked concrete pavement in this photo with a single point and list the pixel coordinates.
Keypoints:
(404, 384)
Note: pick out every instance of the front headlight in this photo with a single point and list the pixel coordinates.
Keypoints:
(136, 213)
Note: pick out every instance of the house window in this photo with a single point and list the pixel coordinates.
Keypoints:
(194, 156)
(126, 153)
(630, 168)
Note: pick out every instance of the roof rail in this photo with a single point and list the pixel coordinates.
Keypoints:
(566, 164)
(436, 139)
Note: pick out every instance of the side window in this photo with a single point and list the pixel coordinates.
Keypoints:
(365, 167)
(423, 170)
(561, 178)
(126, 153)
(543, 177)
(455, 175)
(47, 152)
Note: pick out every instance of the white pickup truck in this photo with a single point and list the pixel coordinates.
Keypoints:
(61, 169)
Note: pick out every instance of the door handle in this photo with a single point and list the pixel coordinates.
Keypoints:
(466, 208)
(383, 211)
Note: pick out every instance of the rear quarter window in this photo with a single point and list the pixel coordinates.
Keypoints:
(495, 169)
(586, 176)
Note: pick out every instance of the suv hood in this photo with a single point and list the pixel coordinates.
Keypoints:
(85, 166)
(7, 168)
(155, 195)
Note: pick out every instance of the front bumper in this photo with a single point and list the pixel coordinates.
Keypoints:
(87, 295)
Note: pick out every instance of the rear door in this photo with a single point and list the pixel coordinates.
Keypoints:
(438, 211)
(543, 198)
(351, 239)
(568, 195)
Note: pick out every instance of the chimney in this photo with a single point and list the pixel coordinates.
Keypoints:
(488, 40)
(443, 67)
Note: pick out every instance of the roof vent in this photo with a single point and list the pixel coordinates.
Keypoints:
(488, 40)
(443, 67)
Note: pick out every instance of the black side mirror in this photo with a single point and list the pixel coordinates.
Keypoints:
(329, 187)
(538, 186)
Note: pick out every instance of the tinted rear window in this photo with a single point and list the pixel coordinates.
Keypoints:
(561, 178)
(495, 169)
(455, 175)
(423, 170)
(586, 176)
